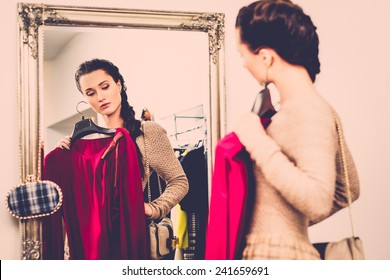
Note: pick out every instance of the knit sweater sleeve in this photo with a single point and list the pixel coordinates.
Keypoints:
(162, 160)
(298, 158)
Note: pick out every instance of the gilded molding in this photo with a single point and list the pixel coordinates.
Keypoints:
(214, 25)
(31, 250)
(31, 17)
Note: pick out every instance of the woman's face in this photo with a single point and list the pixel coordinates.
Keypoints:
(101, 92)
(250, 60)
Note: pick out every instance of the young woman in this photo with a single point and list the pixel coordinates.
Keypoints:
(296, 158)
(105, 90)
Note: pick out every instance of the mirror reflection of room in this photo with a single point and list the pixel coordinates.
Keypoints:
(175, 99)
(150, 85)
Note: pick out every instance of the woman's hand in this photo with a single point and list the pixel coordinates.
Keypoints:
(64, 143)
(148, 209)
(248, 126)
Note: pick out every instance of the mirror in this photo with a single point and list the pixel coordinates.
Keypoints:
(158, 70)
(172, 63)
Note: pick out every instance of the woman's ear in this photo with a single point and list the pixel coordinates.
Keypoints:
(266, 56)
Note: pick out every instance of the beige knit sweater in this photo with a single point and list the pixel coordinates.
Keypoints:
(162, 160)
(297, 167)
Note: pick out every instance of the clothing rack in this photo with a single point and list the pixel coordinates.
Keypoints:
(195, 203)
(193, 232)
(186, 126)
(185, 131)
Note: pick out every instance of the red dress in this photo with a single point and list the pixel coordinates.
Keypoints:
(103, 208)
(231, 194)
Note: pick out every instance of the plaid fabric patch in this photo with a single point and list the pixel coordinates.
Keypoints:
(34, 199)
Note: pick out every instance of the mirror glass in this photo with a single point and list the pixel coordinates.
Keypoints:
(172, 63)
(165, 72)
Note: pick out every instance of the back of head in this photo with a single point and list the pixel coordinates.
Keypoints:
(283, 27)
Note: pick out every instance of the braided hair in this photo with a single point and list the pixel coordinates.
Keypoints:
(283, 27)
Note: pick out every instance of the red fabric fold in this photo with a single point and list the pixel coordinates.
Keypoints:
(102, 221)
(232, 175)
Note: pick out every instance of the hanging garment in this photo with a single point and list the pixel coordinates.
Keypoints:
(232, 185)
(195, 203)
(181, 227)
(194, 164)
(103, 209)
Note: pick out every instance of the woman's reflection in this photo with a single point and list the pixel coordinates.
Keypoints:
(102, 178)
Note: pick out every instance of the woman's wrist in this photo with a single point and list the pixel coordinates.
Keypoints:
(148, 210)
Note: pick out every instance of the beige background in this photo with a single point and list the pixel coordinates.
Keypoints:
(354, 46)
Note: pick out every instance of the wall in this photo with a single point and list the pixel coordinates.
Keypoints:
(354, 54)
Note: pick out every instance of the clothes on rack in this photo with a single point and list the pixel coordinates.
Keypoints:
(181, 227)
(187, 135)
(103, 209)
(194, 251)
(195, 203)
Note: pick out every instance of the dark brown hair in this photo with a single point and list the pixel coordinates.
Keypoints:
(283, 27)
(127, 113)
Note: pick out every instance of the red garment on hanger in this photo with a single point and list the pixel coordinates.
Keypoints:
(103, 207)
(229, 196)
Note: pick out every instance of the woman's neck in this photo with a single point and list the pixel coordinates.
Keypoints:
(113, 121)
(294, 83)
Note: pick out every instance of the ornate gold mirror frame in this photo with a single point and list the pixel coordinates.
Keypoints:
(32, 20)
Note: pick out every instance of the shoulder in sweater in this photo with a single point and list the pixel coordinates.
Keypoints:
(313, 110)
(302, 124)
(152, 130)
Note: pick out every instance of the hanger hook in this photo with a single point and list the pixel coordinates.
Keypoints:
(77, 108)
